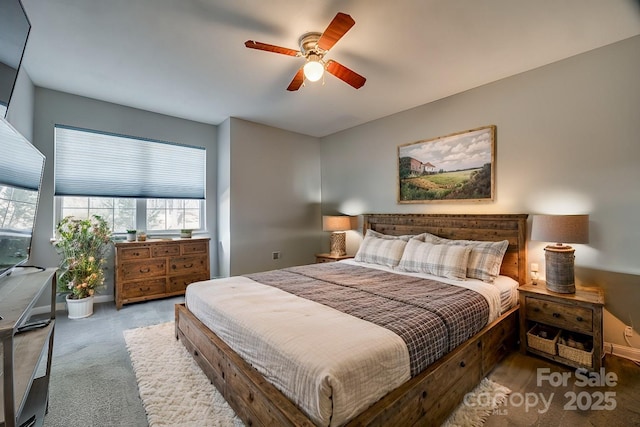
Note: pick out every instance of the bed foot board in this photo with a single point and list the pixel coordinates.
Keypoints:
(426, 399)
(254, 400)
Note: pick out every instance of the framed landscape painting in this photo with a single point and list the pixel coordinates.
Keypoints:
(457, 167)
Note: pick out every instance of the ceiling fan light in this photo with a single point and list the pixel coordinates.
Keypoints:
(313, 70)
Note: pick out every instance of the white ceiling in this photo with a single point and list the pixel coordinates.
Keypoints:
(186, 58)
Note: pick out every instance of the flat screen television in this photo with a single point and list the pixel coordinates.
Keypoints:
(14, 32)
(21, 168)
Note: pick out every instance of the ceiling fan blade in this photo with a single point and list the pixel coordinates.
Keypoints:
(346, 75)
(336, 29)
(252, 44)
(297, 81)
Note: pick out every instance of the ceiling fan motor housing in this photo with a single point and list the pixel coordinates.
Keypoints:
(309, 44)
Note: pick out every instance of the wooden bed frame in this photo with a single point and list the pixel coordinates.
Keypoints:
(426, 399)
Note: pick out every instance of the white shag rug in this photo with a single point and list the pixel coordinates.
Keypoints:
(175, 391)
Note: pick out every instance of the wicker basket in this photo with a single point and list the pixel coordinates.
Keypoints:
(581, 356)
(543, 338)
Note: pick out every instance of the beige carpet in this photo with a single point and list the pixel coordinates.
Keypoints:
(175, 392)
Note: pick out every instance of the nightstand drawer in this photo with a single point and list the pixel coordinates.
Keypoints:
(578, 319)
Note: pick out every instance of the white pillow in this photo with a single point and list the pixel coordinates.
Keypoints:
(440, 260)
(383, 249)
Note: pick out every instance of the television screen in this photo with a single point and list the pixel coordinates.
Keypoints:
(21, 167)
(14, 32)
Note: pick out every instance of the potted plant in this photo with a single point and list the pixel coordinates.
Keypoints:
(83, 244)
(131, 235)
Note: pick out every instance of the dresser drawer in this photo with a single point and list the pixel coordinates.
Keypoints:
(194, 248)
(140, 270)
(165, 250)
(188, 264)
(134, 253)
(144, 288)
(179, 283)
(578, 319)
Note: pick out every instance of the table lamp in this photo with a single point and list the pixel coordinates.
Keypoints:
(559, 258)
(337, 225)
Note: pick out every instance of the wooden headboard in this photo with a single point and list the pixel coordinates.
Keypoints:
(489, 227)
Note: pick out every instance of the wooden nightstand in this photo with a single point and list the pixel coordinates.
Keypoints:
(330, 258)
(579, 314)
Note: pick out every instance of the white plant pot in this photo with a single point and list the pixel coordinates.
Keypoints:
(80, 308)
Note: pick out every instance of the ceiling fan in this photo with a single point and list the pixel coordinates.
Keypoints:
(313, 47)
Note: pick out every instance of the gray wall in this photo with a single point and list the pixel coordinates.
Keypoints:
(52, 107)
(20, 113)
(567, 142)
(270, 197)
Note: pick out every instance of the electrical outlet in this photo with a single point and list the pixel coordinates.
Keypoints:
(275, 255)
(628, 331)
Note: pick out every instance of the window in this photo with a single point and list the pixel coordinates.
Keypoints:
(132, 183)
(17, 208)
(163, 214)
(157, 215)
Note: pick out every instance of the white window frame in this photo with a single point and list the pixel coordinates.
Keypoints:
(141, 218)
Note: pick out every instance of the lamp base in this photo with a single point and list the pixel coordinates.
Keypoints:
(338, 242)
(559, 262)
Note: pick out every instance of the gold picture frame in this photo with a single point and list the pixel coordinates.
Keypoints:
(457, 167)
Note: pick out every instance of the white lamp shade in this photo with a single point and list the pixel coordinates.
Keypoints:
(560, 228)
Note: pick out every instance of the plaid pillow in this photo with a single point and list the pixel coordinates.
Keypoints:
(485, 258)
(378, 248)
(440, 260)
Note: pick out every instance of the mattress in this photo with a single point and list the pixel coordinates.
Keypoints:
(331, 364)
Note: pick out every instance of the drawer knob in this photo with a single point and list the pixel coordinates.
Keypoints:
(556, 315)
(462, 364)
(579, 319)
(145, 270)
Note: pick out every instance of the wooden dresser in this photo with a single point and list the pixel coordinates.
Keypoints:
(158, 268)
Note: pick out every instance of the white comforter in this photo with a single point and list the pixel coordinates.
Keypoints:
(332, 365)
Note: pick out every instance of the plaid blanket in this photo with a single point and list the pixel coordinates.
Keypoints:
(430, 316)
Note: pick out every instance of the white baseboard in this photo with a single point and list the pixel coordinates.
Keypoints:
(622, 351)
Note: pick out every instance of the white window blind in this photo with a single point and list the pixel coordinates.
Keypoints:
(90, 163)
(20, 163)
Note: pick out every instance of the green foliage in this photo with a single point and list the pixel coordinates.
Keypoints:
(83, 244)
(409, 191)
(478, 186)
(463, 184)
